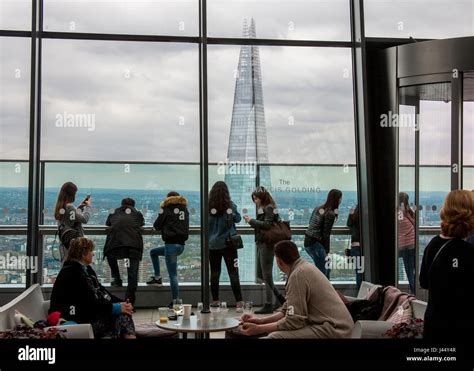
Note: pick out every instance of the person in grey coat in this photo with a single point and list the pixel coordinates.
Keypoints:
(68, 216)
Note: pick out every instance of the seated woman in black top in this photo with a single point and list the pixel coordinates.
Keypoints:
(78, 296)
(446, 271)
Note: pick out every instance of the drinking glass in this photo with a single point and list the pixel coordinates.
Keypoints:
(200, 306)
(178, 306)
(214, 311)
(163, 312)
(224, 308)
(248, 307)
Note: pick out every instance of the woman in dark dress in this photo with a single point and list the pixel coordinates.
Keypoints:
(446, 271)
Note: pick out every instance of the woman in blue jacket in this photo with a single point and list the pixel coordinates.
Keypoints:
(222, 219)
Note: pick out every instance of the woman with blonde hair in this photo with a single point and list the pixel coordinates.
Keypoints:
(446, 271)
(78, 295)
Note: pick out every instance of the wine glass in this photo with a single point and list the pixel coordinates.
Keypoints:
(178, 306)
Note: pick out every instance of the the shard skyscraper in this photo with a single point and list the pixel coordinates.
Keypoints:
(248, 136)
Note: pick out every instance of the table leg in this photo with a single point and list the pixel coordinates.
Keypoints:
(185, 335)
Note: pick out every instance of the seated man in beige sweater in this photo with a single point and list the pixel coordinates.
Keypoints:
(313, 309)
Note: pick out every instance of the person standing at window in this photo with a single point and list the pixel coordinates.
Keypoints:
(125, 241)
(173, 222)
(70, 217)
(318, 235)
(406, 237)
(222, 218)
(446, 271)
(266, 214)
(353, 222)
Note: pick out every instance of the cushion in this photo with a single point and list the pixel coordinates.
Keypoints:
(151, 330)
(402, 314)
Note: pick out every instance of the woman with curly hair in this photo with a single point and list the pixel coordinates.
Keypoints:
(446, 271)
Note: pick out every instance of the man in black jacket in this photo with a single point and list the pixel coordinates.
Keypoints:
(173, 222)
(125, 241)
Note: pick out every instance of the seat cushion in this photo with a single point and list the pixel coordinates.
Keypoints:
(151, 330)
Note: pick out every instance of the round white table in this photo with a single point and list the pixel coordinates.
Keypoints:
(194, 326)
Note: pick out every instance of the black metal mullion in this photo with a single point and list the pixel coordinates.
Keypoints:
(13, 33)
(33, 158)
(456, 131)
(363, 160)
(118, 37)
(277, 42)
(204, 158)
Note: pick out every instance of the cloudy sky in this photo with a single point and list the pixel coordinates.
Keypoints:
(142, 98)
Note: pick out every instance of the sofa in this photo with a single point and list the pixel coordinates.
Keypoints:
(31, 303)
(376, 329)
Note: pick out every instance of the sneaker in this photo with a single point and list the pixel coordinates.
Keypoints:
(266, 309)
(239, 307)
(116, 283)
(155, 282)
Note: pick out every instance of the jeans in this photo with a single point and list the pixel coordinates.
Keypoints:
(355, 251)
(171, 253)
(265, 256)
(408, 256)
(230, 259)
(132, 272)
(317, 252)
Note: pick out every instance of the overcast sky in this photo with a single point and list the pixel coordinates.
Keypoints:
(143, 97)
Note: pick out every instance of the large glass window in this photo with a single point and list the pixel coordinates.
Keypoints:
(15, 57)
(15, 14)
(279, 19)
(157, 17)
(108, 184)
(14, 261)
(468, 131)
(13, 193)
(282, 117)
(120, 101)
(189, 262)
(424, 127)
(430, 19)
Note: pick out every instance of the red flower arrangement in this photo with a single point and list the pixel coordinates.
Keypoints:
(406, 330)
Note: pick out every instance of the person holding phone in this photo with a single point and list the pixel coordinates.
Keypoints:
(70, 219)
(266, 215)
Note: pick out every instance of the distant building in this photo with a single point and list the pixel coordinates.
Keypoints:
(247, 140)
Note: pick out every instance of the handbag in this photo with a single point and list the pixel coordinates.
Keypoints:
(233, 241)
(279, 231)
(67, 234)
